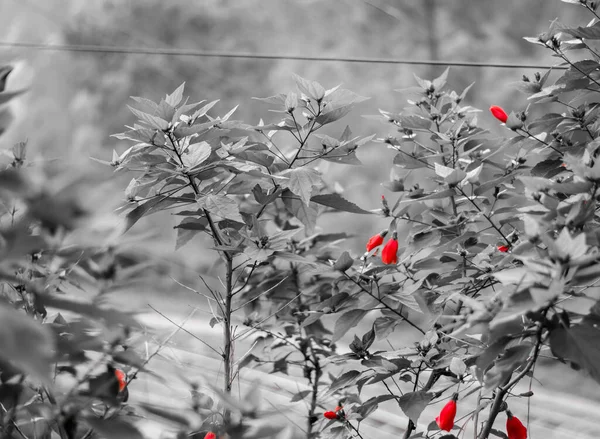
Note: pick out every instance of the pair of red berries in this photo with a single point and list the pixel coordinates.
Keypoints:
(445, 421)
(389, 254)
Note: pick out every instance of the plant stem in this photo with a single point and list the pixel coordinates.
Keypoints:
(227, 338)
(428, 385)
(314, 393)
(503, 390)
(228, 296)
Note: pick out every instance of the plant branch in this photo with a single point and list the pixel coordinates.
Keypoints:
(503, 390)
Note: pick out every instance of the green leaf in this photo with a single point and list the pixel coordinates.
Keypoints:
(6, 96)
(307, 214)
(503, 368)
(150, 120)
(440, 81)
(146, 208)
(278, 99)
(346, 321)
(333, 115)
(26, 343)
(370, 405)
(186, 418)
(413, 404)
(222, 206)
(345, 380)
(458, 367)
(110, 316)
(6, 118)
(413, 121)
(18, 241)
(196, 154)
(406, 161)
(301, 181)
(310, 88)
(338, 202)
(451, 176)
(300, 395)
(578, 344)
(590, 32)
(114, 428)
(344, 262)
(175, 98)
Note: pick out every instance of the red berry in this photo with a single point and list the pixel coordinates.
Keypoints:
(389, 254)
(330, 415)
(376, 240)
(121, 378)
(445, 420)
(514, 428)
(210, 435)
(503, 248)
(499, 113)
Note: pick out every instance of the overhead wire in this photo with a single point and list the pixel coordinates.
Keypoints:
(89, 48)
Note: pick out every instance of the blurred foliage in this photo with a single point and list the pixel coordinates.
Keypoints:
(474, 213)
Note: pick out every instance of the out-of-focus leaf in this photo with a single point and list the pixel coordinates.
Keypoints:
(503, 368)
(344, 262)
(29, 345)
(6, 96)
(407, 161)
(590, 32)
(578, 344)
(110, 316)
(300, 395)
(184, 418)
(18, 241)
(115, 428)
(146, 208)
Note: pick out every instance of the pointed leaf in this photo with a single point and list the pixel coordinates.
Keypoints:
(338, 202)
(413, 404)
(346, 321)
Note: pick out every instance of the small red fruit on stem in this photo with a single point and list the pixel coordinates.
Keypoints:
(503, 248)
(330, 415)
(376, 240)
(210, 435)
(499, 113)
(446, 418)
(514, 428)
(389, 254)
(121, 378)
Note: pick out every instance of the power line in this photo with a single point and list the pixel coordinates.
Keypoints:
(196, 53)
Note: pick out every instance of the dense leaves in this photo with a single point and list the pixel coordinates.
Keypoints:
(489, 253)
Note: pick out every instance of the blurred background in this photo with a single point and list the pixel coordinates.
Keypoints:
(76, 100)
